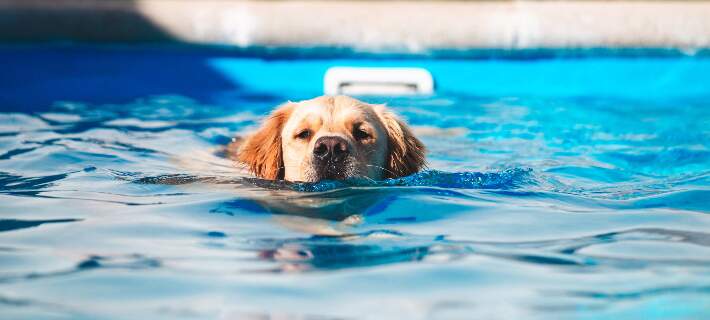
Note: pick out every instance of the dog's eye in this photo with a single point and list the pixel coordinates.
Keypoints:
(360, 134)
(304, 134)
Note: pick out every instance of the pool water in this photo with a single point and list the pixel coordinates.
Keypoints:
(557, 188)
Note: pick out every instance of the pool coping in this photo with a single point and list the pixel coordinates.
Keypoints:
(404, 27)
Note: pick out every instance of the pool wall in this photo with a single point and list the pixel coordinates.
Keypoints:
(370, 26)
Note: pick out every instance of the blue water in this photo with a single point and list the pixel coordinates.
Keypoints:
(556, 188)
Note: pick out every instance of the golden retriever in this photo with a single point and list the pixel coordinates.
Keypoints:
(331, 138)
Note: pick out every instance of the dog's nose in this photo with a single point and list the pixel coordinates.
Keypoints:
(333, 149)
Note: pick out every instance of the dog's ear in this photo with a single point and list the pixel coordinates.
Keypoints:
(405, 153)
(261, 151)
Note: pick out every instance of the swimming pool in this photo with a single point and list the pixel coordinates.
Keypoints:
(558, 188)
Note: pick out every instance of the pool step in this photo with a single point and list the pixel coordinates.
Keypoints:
(378, 81)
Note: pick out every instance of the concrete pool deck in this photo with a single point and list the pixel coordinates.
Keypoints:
(374, 26)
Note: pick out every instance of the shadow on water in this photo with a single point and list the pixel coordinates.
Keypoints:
(328, 209)
(115, 75)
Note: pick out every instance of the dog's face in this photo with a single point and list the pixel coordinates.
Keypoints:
(332, 138)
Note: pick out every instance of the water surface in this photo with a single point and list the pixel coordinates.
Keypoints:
(562, 204)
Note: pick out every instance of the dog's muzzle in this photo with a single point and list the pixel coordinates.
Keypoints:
(330, 155)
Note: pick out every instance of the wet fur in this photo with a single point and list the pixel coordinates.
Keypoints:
(261, 151)
(405, 154)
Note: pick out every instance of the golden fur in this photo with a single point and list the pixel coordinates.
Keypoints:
(379, 144)
(262, 152)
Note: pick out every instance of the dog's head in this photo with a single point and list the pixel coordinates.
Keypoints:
(332, 138)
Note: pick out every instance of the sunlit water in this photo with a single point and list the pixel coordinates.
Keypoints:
(542, 207)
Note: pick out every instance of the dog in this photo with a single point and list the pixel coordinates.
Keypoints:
(330, 138)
